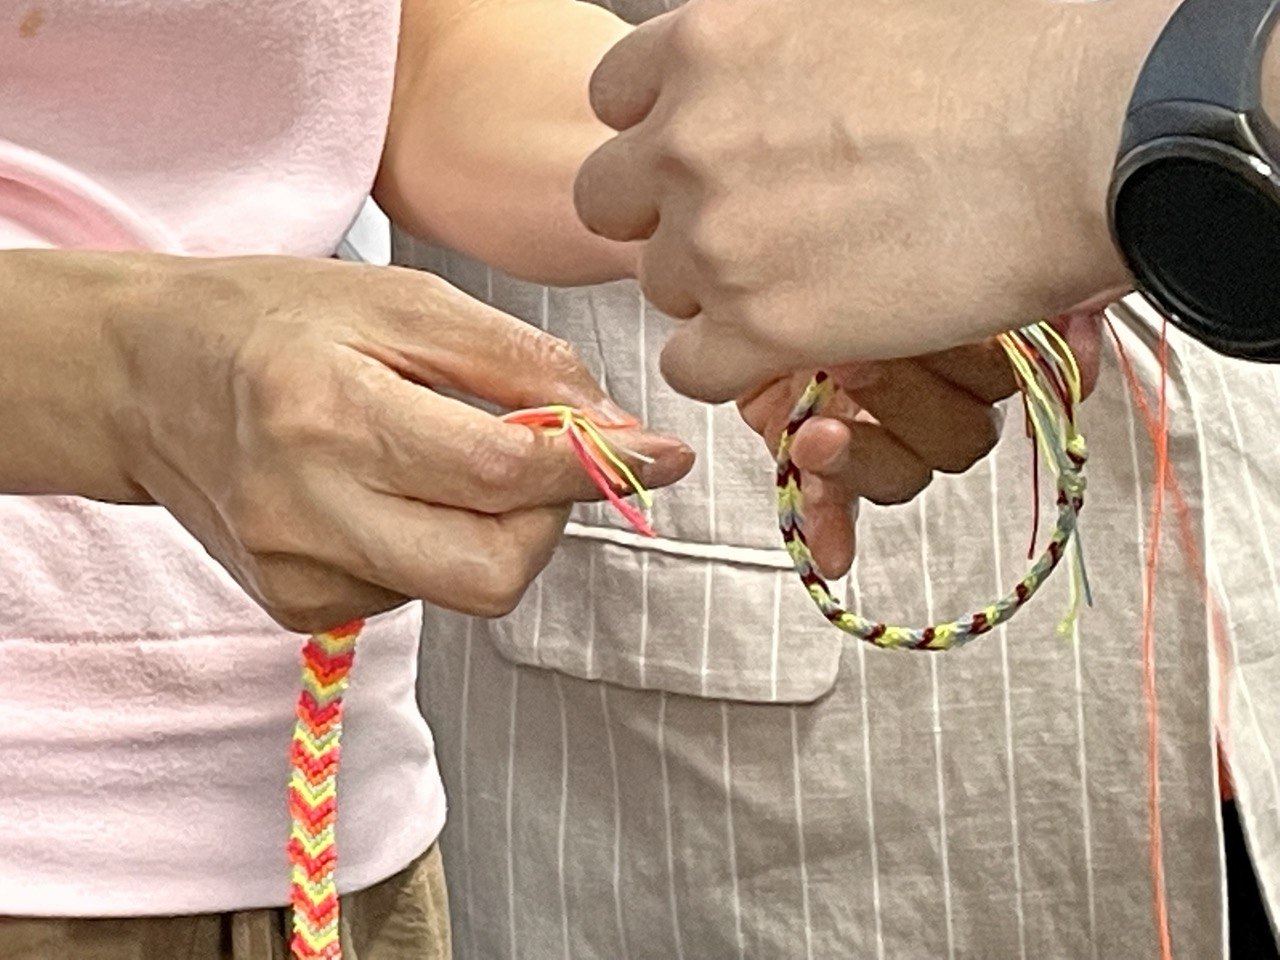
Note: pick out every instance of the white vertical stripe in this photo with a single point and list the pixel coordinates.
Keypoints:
(944, 853)
(544, 314)
(463, 727)
(617, 821)
(642, 657)
(642, 360)
(511, 796)
(511, 773)
(709, 457)
(666, 816)
(488, 284)
(707, 574)
(1264, 542)
(800, 845)
(564, 813)
(642, 372)
(1010, 759)
(592, 627)
(777, 636)
(730, 838)
(1086, 809)
(855, 596)
(1237, 675)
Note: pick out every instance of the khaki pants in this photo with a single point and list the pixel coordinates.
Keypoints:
(403, 918)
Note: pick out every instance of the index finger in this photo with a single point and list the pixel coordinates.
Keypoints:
(440, 336)
(436, 449)
(982, 370)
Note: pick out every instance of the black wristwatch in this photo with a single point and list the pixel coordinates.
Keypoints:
(1195, 197)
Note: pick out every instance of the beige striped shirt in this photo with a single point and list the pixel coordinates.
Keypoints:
(666, 752)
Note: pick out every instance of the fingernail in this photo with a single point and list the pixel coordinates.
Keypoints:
(671, 459)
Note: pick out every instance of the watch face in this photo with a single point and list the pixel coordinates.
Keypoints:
(1202, 237)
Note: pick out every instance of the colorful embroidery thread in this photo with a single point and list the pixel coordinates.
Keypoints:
(327, 659)
(1050, 383)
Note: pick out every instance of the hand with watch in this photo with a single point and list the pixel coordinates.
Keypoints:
(820, 180)
(1195, 199)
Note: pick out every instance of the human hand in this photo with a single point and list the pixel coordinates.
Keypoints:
(284, 411)
(822, 180)
(892, 424)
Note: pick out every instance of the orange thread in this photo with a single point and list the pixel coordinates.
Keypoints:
(1187, 538)
(1156, 831)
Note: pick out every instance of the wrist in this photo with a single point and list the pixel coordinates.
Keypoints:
(60, 383)
(1119, 39)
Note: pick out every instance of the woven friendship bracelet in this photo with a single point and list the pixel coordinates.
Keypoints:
(313, 792)
(327, 659)
(1049, 380)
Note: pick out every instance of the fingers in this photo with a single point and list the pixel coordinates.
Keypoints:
(668, 276)
(943, 424)
(860, 458)
(305, 596)
(472, 563)
(438, 450)
(830, 512)
(701, 363)
(614, 192)
(981, 370)
(625, 86)
(443, 337)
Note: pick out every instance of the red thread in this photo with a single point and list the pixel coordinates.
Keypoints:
(632, 515)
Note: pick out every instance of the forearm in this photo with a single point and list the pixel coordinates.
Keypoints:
(489, 126)
(56, 379)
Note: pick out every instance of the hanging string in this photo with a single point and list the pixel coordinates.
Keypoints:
(1155, 831)
(327, 660)
(1049, 381)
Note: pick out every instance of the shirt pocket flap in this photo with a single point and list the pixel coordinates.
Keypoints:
(701, 620)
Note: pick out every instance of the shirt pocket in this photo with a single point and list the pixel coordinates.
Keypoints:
(703, 620)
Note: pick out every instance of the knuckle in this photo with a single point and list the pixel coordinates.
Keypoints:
(281, 593)
(296, 618)
(513, 563)
(697, 35)
(558, 357)
(287, 399)
(499, 468)
(712, 241)
(499, 590)
(683, 145)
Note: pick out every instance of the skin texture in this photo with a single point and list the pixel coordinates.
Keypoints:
(279, 408)
(483, 181)
(451, 174)
(283, 410)
(819, 180)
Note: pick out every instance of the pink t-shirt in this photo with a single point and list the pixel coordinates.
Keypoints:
(146, 703)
